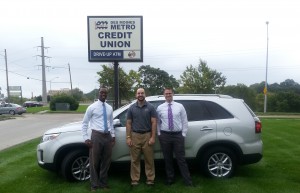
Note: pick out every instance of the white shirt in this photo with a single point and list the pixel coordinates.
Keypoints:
(93, 119)
(180, 120)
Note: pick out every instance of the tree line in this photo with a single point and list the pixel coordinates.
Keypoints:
(200, 79)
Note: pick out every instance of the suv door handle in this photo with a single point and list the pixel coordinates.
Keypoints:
(205, 128)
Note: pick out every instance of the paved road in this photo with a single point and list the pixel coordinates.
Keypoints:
(30, 126)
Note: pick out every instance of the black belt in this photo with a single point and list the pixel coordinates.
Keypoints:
(141, 132)
(171, 132)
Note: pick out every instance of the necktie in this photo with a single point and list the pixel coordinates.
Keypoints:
(105, 118)
(170, 117)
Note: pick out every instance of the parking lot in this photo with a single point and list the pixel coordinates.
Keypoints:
(29, 126)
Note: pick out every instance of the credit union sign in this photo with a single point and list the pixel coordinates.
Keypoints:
(115, 38)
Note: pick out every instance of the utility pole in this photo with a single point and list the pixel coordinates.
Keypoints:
(70, 77)
(7, 87)
(44, 85)
(266, 82)
(44, 96)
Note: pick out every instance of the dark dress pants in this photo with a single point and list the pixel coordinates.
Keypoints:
(100, 159)
(174, 143)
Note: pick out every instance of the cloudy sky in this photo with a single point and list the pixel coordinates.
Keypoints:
(231, 36)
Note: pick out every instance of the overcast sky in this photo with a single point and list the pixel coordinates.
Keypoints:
(231, 36)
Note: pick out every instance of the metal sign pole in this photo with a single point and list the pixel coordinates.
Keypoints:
(116, 84)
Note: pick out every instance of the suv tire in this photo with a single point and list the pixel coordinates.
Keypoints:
(219, 162)
(75, 166)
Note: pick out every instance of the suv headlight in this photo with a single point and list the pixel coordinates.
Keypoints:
(48, 137)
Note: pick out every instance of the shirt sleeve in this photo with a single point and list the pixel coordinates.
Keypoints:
(85, 123)
(184, 121)
(129, 115)
(158, 110)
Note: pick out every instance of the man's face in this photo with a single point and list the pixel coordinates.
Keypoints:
(102, 94)
(140, 94)
(168, 95)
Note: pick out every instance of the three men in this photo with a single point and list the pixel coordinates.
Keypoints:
(171, 122)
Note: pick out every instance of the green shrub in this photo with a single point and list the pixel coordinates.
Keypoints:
(63, 98)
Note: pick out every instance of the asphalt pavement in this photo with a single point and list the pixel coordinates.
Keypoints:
(30, 126)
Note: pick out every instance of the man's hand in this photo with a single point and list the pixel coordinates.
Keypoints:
(89, 143)
(129, 142)
(113, 141)
(151, 140)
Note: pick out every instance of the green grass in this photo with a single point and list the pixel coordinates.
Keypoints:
(36, 109)
(81, 109)
(277, 172)
(33, 110)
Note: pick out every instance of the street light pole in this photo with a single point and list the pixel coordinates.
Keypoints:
(266, 82)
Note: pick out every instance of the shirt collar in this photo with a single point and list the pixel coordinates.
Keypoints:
(172, 102)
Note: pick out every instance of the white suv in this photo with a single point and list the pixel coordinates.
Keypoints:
(223, 133)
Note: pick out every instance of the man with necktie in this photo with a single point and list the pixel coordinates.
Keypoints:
(172, 126)
(99, 118)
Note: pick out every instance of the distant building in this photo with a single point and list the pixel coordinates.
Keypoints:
(61, 91)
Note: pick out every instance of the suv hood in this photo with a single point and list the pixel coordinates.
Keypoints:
(70, 127)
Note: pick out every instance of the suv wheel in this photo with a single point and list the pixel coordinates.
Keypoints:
(219, 162)
(76, 166)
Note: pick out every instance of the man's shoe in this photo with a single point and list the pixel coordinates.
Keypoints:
(134, 183)
(93, 189)
(104, 188)
(190, 184)
(169, 182)
(150, 182)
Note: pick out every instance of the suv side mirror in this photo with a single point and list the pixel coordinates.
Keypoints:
(117, 123)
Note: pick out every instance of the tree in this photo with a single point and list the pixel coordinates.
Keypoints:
(107, 79)
(289, 85)
(77, 94)
(201, 79)
(136, 81)
(243, 92)
(284, 102)
(154, 80)
(92, 95)
(258, 87)
(64, 98)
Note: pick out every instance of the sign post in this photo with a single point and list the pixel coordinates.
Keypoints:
(115, 39)
(15, 91)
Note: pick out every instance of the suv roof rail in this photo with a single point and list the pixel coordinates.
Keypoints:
(215, 95)
(211, 95)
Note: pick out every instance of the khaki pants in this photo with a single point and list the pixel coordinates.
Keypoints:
(141, 145)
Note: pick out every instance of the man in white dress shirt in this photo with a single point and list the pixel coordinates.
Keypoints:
(99, 118)
(172, 126)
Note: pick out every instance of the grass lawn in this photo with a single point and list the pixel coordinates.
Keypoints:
(81, 109)
(277, 172)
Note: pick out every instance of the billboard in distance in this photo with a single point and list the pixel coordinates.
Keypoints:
(115, 38)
